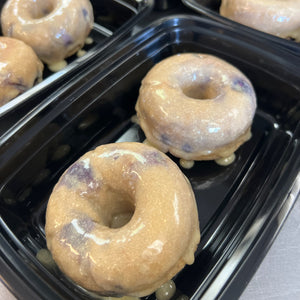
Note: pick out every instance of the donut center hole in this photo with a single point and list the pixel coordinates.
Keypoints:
(41, 8)
(200, 91)
(119, 209)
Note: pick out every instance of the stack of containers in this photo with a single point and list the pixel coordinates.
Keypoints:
(241, 206)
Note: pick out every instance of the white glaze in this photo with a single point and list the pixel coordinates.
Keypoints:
(277, 17)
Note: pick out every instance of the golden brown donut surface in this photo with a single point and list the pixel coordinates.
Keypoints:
(20, 69)
(276, 17)
(121, 180)
(55, 29)
(196, 106)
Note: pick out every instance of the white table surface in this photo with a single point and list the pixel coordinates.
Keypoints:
(278, 276)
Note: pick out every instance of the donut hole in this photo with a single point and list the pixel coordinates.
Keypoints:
(119, 209)
(41, 8)
(200, 91)
(120, 219)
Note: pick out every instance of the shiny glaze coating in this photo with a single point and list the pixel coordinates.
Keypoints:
(276, 17)
(55, 29)
(196, 106)
(20, 68)
(138, 257)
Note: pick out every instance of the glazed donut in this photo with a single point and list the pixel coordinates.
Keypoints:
(129, 181)
(276, 17)
(55, 29)
(196, 106)
(20, 68)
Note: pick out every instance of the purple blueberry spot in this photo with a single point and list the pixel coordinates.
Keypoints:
(187, 148)
(65, 37)
(75, 234)
(85, 14)
(86, 224)
(240, 85)
(76, 174)
(71, 237)
(165, 139)
(154, 158)
(20, 86)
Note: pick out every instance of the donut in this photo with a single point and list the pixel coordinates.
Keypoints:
(122, 220)
(55, 29)
(20, 68)
(276, 17)
(196, 106)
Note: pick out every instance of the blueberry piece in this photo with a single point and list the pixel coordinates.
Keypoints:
(74, 233)
(240, 85)
(77, 173)
(154, 158)
(85, 14)
(165, 139)
(187, 148)
(69, 236)
(86, 224)
(67, 39)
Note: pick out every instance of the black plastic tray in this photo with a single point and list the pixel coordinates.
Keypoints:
(114, 20)
(210, 8)
(241, 207)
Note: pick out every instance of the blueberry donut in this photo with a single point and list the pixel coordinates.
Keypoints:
(276, 17)
(196, 106)
(20, 68)
(55, 29)
(122, 220)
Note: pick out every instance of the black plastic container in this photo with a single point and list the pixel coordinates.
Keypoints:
(241, 207)
(114, 20)
(210, 8)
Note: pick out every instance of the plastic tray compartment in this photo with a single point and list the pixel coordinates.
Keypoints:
(210, 8)
(114, 20)
(241, 207)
